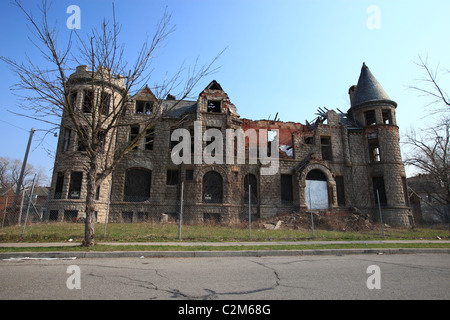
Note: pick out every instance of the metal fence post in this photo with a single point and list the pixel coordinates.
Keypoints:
(310, 211)
(107, 208)
(249, 213)
(29, 204)
(181, 211)
(379, 209)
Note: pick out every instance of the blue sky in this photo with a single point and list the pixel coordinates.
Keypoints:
(283, 56)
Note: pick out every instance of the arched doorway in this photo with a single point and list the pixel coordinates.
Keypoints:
(212, 187)
(316, 191)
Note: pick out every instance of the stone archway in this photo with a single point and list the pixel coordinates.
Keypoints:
(316, 180)
(316, 190)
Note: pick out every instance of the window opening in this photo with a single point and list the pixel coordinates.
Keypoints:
(66, 139)
(212, 187)
(378, 184)
(172, 177)
(189, 175)
(149, 138)
(81, 142)
(387, 116)
(250, 179)
(287, 195)
(59, 185)
(137, 185)
(76, 179)
(134, 132)
(370, 117)
(87, 102)
(213, 106)
(73, 99)
(144, 107)
(325, 144)
(374, 150)
(340, 190)
(105, 99)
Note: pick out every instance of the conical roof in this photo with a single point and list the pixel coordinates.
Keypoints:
(369, 90)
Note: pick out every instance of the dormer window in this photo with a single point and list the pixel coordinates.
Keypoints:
(144, 107)
(213, 106)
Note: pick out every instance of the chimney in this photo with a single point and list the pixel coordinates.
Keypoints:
(82, 68)
(351, 92)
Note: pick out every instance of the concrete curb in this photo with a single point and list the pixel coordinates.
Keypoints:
(205, 254)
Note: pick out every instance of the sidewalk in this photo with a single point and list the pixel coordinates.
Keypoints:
(214, 253)
(194, 243)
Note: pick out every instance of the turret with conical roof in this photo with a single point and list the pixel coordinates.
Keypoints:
(373, 112)
(370, 104)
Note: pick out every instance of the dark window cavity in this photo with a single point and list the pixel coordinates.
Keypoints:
(134, 132)
(325, 145)
(387, 116)
(374, 150)
(370, 117)
(213, 106)
(105, 99)
(378, 184)
(250, 182)
(137, 185)
(66, 139)
(149, 138)
(340, 190)
(88, 101)
(59, 185)
(76, 179)
(212, 187)
(144, 107)
(287, 194)
(172, 177)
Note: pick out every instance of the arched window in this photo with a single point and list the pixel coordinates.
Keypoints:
(316, 190)
(250, 180)
(137, 185)
(212, 187)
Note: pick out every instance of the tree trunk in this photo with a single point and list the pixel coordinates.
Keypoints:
(89, 232)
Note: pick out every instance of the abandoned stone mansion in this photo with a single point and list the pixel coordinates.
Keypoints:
(339, 162)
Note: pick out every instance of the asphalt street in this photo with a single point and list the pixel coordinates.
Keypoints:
(398, 276)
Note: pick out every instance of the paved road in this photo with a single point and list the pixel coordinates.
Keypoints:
(412, 276)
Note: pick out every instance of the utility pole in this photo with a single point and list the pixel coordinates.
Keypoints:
(19, 183)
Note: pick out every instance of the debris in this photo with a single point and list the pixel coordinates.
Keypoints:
(28, 258)
(349, 220)
(439, 238)
(271, 226)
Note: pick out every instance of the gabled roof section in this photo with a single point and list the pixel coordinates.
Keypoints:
(145, 92)
(369, 90)
(214, 85)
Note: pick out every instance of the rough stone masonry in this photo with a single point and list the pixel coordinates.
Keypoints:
(338, 163)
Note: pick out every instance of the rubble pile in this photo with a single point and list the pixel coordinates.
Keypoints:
(353, 220)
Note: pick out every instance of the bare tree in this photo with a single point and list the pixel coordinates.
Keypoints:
(428, 151)
(10, 171)
(430, 87)
(48, 89)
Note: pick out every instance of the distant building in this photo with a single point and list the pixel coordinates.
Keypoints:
(38, 205)
(336, 163)
(428, 200)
